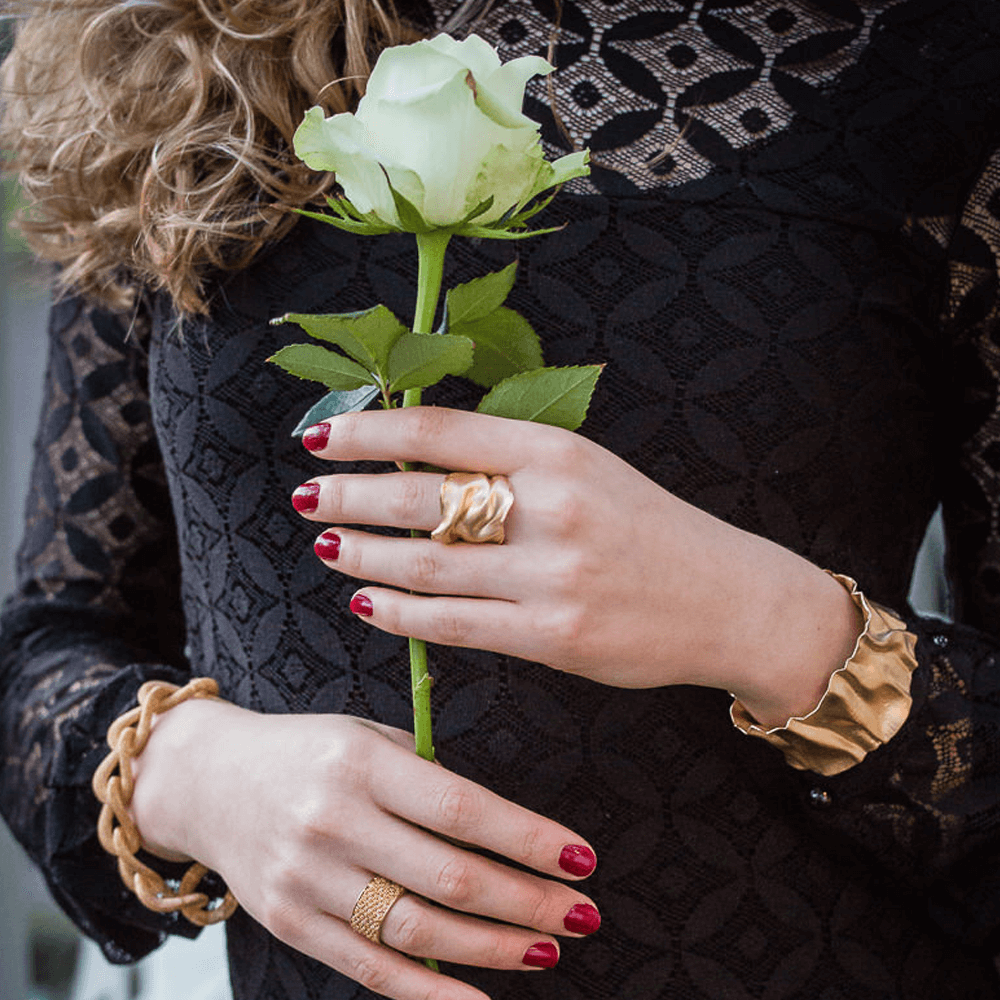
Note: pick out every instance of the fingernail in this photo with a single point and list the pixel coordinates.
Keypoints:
(327, 546)
(316, 437)
(361, 605)
(305, 499)
(582, 919)
(577, 859)
(542, 955)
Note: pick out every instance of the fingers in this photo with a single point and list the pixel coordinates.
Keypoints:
(417, 927)
(454, 439)
(465, 881)
(440, 800)
(421, 564)
(381, 970)
(500, 626)
(394, 499)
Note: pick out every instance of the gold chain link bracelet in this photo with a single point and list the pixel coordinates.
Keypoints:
(127, 737)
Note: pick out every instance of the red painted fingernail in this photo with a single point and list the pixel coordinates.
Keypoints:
(316, 437)
(327, 546)
(577, 859)
(582, 919)
(361, 605)
(305, 499)
(542, 955)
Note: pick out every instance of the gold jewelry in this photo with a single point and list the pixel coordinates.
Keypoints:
(474, 507)
(866, 701)
(373, 906)
(115, 792)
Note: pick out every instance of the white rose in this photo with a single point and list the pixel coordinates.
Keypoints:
(441, 120)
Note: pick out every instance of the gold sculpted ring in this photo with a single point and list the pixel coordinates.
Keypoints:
(473, 508)
(373, 907)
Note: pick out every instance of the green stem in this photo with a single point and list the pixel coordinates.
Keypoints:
(430, 249)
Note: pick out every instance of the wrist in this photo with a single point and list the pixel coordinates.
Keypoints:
(169, 773)
(800, 627)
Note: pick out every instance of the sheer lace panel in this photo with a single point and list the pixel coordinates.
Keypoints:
(92, 617)
(664, 95)
(973, 508)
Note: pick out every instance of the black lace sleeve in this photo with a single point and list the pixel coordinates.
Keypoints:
(95, 614)
(927, 804)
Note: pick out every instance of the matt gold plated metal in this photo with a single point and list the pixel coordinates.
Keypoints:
(127, 737)
(866, 701)
(373, 906)
(473, 508)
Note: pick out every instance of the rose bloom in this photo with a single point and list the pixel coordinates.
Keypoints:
(441, 121)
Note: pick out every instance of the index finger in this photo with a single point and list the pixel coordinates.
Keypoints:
(453, 439)
(440, 800)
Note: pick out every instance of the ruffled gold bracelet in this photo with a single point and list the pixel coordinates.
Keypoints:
(866, 701)
(127, 737)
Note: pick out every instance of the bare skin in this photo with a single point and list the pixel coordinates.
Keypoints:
(604, 574)
(297, 812)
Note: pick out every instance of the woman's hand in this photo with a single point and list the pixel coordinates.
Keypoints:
(603, 574)
(298, 812)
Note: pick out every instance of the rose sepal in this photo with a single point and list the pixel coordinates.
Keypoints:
(358, 228)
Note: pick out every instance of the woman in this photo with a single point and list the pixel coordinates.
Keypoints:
(786, 253)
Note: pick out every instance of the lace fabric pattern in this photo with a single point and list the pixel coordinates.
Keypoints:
(801, 337)
(86, 624)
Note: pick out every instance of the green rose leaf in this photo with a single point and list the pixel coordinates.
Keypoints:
(479, 297)
(557, 396)
(310, 361)
(367, 336)
(422, 359)
(333, 404)
(505, 345)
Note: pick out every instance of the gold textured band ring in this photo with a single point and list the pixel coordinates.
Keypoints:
(373, 906)
(474, 507)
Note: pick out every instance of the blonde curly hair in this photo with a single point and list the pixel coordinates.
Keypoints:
(153, 138)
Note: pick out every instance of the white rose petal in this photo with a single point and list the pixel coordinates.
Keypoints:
(341, 144)
(408, 74)
(501, 95)
(442, 121)
(473, 53)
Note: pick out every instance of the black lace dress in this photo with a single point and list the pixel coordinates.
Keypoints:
(787, 254)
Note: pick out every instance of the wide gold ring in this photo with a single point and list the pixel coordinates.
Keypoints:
(473, 508)
(373, 906)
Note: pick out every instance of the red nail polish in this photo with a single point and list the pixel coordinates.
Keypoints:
(327, 546)
(577, 859)
(582, 919)
(316, 437)
(542, 955)
(361, 605)
(305, 499)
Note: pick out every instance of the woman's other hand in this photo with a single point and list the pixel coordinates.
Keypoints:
(604, 573)
(298, 812)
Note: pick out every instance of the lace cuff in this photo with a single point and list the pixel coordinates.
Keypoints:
(866, 701)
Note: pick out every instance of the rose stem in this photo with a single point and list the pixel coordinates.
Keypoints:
(430, 250)
(430, 270)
